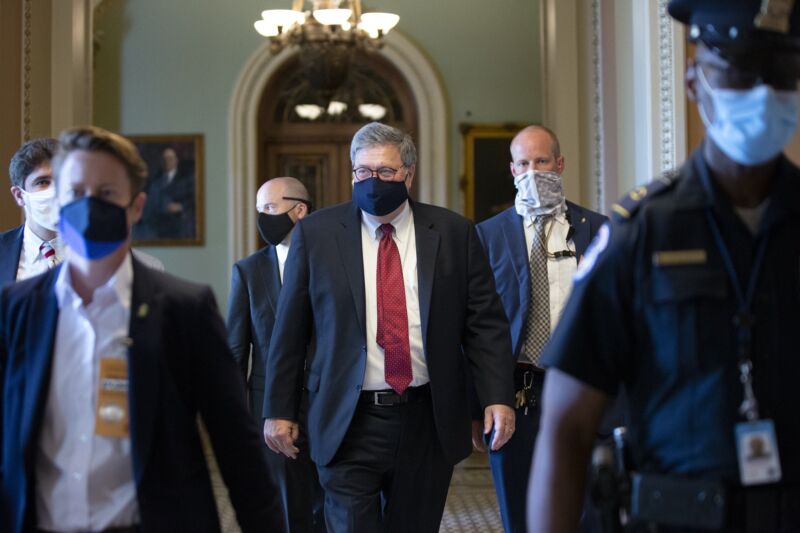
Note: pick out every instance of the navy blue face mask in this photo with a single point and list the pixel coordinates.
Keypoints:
(378, 197)
(93, 228)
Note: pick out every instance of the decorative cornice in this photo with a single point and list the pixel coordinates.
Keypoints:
(27, 17)
(598, 139)
(666, 87)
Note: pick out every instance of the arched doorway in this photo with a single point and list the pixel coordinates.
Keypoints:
(306, 134)
(432, 139)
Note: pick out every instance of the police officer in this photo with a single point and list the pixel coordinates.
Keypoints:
(690, 299)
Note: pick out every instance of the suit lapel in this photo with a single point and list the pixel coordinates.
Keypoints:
(581, 224)
(144, 364)
(271, 277)
(427, 240)
(348, 238)
(42, 317)
(517, 247)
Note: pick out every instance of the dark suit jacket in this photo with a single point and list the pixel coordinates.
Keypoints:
(179, 367)
(10, 250)
(462, 324)
(255, 287)
(503, 237)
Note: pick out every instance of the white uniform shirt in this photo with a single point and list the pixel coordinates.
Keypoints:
(31, 260)
(559, 270)
(84, 482)
(406, 241)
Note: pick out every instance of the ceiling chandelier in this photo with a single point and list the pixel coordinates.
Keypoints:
(327, 37)
(328, 22)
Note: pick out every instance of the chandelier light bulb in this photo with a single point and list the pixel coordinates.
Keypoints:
(308, 111)
(372, 111)
(265, 29)
(332, 17)
(283, 18)
(379, 23)
(336, 108)
(372, 32)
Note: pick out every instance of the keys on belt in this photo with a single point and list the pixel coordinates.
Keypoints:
(526, 396)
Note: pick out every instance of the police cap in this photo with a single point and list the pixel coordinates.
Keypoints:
(741, 24)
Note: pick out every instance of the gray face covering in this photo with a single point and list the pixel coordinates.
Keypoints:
(539, 192)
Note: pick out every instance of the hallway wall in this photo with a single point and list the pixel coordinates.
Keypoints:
(169, 67)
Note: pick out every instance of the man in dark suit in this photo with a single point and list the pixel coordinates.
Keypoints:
(255, 286)
(105, 367)
(400, 298)
(519, 258)
(33, 247)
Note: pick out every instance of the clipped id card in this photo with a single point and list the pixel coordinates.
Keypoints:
(111, 415)
(757, 449)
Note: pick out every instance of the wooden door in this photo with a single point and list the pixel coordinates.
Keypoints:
(324, 169)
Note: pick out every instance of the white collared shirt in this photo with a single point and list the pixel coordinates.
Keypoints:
(84, 482)
(282, 251)
(406, 241)
(559, 270)
(31, 260)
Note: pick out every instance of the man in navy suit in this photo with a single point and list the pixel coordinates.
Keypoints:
(23, 249)
(510, 240)
(105, 368)
(400, 299)
(255, 287)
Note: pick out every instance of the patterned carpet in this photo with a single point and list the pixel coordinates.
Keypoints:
(471, 503)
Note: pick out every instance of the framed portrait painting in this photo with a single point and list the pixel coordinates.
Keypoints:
(173, 212)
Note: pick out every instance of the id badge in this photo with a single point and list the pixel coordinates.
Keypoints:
(757, 450)
(111, 414)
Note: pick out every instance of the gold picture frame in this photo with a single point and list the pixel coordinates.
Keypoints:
(173, 213)
(486, 177)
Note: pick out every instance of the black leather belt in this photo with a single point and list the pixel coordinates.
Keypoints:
(389, 398)
(528, 367)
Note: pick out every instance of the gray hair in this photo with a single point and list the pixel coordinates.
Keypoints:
(377, 134)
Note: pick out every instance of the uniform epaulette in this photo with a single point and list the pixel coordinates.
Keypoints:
(629, 204)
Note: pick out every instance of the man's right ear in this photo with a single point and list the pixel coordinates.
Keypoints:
(691, 80)
(16, 192)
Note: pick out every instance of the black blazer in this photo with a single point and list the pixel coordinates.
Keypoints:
(255, 287)
(503, 237)
(179, 367)
(462, 325)
(10, 250)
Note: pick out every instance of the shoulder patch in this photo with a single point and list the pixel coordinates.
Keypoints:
(629, 204)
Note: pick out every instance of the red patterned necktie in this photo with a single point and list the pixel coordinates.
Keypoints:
(392, 333)
(49, 253)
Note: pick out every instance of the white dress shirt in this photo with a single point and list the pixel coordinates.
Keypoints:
(559, 270)
(31, 260)
(282, 251)
(406, 241)
(84, 482)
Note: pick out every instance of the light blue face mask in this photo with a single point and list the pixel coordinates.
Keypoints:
(751, 126)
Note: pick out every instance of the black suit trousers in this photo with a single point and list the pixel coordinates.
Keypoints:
(390, 474)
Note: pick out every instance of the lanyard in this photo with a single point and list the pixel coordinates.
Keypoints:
(743, 319)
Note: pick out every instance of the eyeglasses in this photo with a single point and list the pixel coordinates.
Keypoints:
(384, 173)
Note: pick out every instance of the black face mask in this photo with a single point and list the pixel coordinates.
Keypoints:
(274, 228)
(378, 197)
